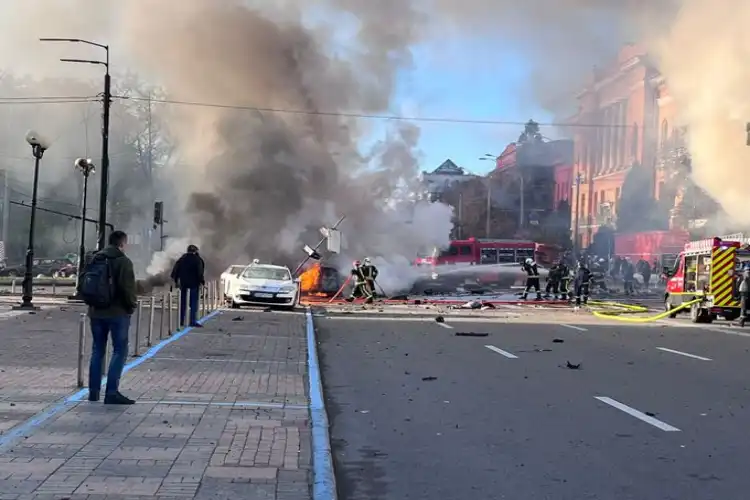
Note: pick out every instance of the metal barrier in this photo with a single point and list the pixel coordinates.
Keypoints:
(137, 343)
(162, 318)
(81, 348)
(152, 306)
(168, 312)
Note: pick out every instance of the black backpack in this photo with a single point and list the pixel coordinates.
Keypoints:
(97, 283)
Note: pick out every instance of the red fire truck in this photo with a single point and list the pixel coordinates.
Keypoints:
(708, 270)
(478, 251)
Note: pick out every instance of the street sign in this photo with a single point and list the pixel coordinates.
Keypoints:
(333, 241)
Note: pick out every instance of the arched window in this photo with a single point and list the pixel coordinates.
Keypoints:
(664, 132)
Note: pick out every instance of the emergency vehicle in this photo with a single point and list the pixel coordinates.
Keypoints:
(708, 270)
(479, 251)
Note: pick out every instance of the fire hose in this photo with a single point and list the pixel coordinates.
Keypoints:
(616, 310)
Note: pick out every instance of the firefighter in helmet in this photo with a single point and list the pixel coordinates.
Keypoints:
(360, 289)
(532, 279)
(581, 284)
(370, 273)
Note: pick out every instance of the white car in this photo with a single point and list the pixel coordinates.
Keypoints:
(264, 285)
(232, 273)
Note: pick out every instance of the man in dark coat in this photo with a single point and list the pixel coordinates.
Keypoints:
(188, 275)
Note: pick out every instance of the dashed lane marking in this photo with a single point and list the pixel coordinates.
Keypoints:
(687, 355)
(501, 352)
(638, 414)
(573, 327)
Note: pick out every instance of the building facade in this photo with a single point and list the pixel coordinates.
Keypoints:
(616, 126)
(443, 178)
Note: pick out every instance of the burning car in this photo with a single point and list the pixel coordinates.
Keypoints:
(264, 285)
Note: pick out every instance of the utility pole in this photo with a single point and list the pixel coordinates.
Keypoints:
(578, 211)
(103, 190)
(489, 208)
(6, 209)
(105, 127)
(159, 222)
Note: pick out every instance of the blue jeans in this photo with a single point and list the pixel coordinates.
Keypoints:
(193, 291)
(101, 328)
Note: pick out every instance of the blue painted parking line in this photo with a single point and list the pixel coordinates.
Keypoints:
(324, 480)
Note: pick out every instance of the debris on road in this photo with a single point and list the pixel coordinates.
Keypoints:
(558, 341)
(472, 334)
(238, 318)
(572, 366)
(439, 319)
(429, 379)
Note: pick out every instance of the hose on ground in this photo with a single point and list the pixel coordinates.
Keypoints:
(617, 311)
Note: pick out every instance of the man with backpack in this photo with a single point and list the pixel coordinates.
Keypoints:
(188, 275)
(108, 287)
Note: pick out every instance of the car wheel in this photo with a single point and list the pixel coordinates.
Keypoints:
(234, 305)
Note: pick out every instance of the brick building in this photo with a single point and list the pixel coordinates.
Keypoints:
(617, 126)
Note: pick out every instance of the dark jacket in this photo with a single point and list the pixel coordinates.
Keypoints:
(583, 276)
(125, 298)
(188, 271)
(531, 270)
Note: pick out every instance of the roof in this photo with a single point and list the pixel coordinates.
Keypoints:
(448, 168)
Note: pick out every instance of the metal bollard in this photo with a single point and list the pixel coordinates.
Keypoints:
(170, 318)
(203, 301)
(138, 315)
(54, 286)
(162, 318)
(177, 302)
(81, 348)
(13, 286)
(210, 294)
(152, 306)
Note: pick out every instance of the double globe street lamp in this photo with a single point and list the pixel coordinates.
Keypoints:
(38, 146)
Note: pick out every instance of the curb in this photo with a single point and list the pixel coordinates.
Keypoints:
(324, 479)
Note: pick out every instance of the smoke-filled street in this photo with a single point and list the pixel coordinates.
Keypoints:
(556, 406)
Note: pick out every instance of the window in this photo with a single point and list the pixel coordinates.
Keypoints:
(603, 197)
(596, 201)
(664, 132)
(584, 208)
(617, 194)
(465, 250)
(488, 256)
(452, 251)
(267, 273)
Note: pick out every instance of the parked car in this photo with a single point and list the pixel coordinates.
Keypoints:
(264, 285)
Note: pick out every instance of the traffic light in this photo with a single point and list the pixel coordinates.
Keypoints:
(158, 213)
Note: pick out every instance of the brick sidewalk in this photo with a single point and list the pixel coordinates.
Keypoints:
(39, 357)
(222, 413)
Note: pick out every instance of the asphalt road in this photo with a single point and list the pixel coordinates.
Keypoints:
(420, 413)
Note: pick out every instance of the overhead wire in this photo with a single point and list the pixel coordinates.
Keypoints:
(371, 116)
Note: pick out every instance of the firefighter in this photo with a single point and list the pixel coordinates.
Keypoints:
(370, 274)
(564, 272)
(581, 283)
(360, 284)
(744, 289)
(532, 279)
(553, 281)
(628, 275)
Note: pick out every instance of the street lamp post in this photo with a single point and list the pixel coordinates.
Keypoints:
(107, 98)
(38, 147)
(522, 204)
(578, 215)
(86, 167)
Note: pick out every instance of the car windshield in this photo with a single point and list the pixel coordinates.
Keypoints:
(267, 273)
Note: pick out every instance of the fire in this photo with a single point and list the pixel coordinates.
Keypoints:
(310, 280)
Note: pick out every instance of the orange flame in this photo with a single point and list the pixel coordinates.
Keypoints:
(310, 280)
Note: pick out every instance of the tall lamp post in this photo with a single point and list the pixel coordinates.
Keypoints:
(576, 226)
(38, 147)
(102, 230)
(488, 157)
(86, 167)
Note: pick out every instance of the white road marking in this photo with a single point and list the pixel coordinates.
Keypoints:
(446, 325)
(684, 354)
(574, 327)
(638, 414)
(500, 351)
(11, 314)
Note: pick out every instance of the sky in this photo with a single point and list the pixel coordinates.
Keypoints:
(467, 79)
